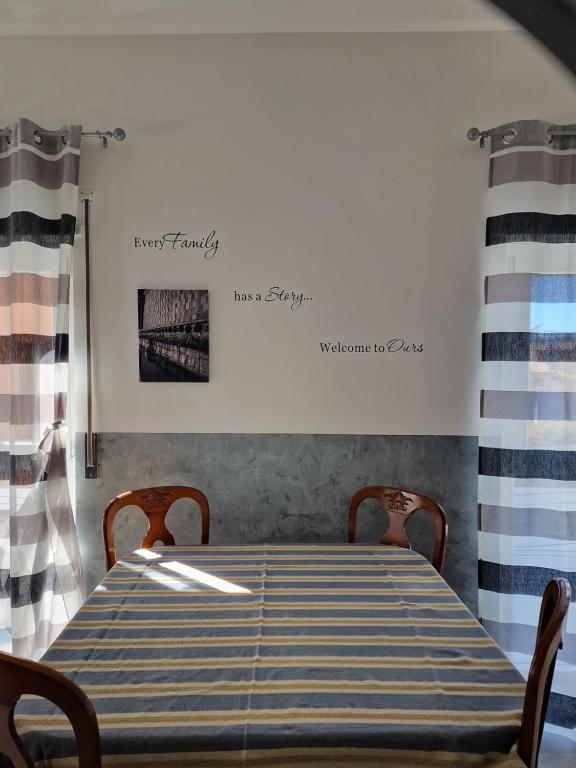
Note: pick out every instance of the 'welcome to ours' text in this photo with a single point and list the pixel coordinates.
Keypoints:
(390, 345)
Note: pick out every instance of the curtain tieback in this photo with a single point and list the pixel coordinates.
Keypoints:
(49, 432)
(55, 469)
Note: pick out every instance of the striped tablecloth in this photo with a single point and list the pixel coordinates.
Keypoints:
(222, 657)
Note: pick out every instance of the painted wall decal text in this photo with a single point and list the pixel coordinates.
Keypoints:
(276, 293)
(208, 244)
(390, 345)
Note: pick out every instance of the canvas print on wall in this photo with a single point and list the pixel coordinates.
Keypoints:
(173, 335)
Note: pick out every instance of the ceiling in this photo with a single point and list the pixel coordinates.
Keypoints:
(140, 17)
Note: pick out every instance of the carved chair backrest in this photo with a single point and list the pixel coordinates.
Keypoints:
(400, 504)
(549, 638)
(19, 677)
(155, 503)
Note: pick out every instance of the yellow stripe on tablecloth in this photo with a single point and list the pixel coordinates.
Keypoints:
(291, 715)
(180, 586)
(357, 662)
(384, 577)
(226, 605)
(232, 641)
(381, 556)
(314, 757)
(85, 624)
(400, 621)
(281, 687)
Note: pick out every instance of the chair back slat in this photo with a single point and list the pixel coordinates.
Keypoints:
(549, 638)
(155, 503)
(21, 676)
(400, 504)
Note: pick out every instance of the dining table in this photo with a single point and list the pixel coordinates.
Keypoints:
(281, 656)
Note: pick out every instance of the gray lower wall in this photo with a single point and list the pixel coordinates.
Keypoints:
(284, 488)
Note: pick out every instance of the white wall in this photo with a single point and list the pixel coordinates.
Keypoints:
(336, 165)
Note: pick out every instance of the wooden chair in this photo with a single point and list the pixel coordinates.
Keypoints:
(155, 503)
(400, 504)
(549, 637)
(19, 677)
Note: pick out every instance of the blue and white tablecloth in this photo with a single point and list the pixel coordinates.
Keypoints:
(281, 656)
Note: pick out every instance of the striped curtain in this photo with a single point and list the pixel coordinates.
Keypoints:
(527, 486)
(41, 583)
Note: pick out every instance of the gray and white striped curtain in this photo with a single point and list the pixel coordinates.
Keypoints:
(527, 486)
(41, 584)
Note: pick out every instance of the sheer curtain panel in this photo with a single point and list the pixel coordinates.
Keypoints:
(527, 486)
(41, 581)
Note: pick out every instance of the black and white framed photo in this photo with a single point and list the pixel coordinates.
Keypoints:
(173, 335)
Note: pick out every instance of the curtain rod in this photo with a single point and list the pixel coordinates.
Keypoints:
(509, 135)
(118, 133)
